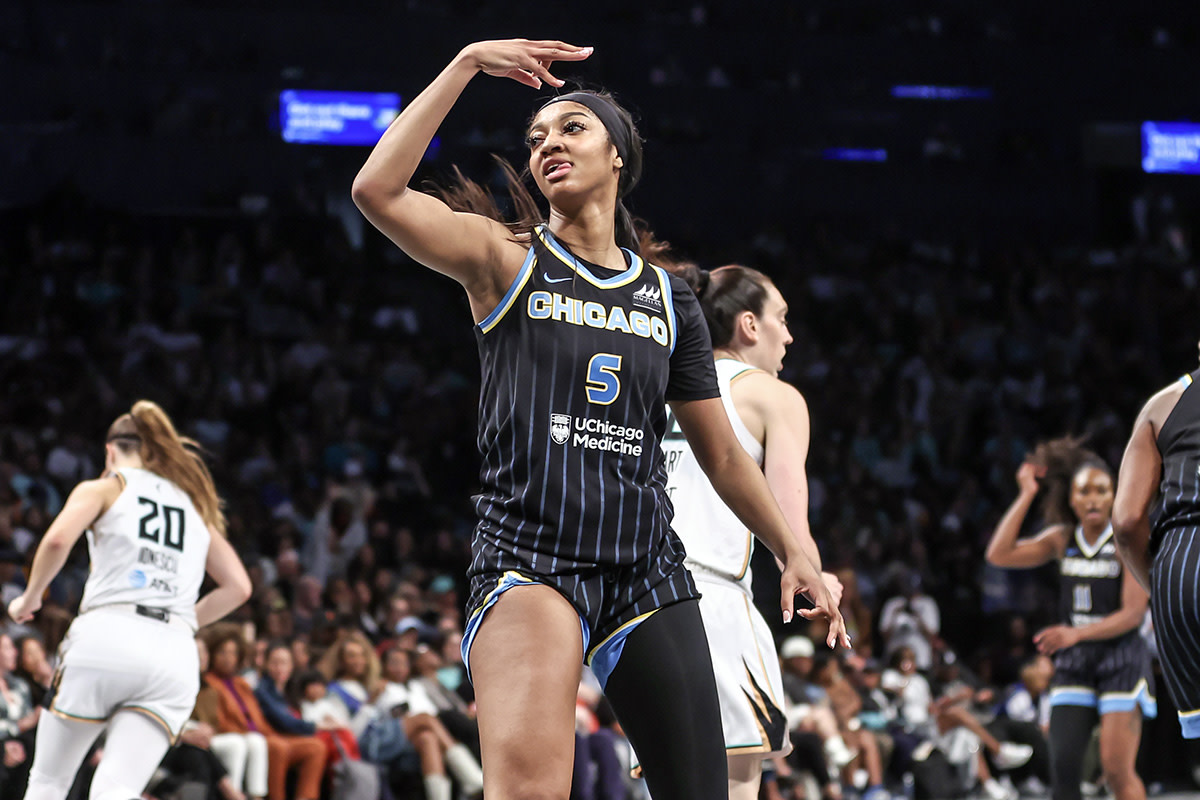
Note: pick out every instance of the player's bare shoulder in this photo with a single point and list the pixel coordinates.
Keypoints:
(107, 488)
(764, 402)
(1161, 404)
(767, 394)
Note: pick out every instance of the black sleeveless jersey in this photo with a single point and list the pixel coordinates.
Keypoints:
(577, 363)
(1089, 579)
(1179, 445)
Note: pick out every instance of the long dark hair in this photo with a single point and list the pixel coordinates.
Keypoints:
(1062, 459)
(464, 194)
(724, 293)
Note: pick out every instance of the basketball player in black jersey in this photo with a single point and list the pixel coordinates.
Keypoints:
(1102, 665)
(1162, 460)
(581, 344)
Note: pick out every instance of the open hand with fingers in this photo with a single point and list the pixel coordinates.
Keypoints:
(824, 606)
(525, 61)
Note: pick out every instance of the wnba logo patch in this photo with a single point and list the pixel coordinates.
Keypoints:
(560, 427)
(648, 297)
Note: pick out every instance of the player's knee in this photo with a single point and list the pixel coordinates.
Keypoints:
(420, 722)
(1120, 777)
(1117, 767)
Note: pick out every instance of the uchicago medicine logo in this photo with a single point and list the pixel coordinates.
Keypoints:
(596, 434)
(560, 427)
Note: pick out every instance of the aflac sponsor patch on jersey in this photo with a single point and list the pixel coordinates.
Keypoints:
(648, 297)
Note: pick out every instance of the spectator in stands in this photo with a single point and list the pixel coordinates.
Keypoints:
(240, 712)
(386, 732)
(18, 719)
(1023, 715)
(274, 695)
(910, 619)
(951, 727)
(242, 755)
(809, 709)
(846, 704)
(33, 667)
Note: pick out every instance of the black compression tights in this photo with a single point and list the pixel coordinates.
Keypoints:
(1070, 732)
(663, 692)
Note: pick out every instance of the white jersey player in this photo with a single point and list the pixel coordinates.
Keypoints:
(746, 317)
(129, 660)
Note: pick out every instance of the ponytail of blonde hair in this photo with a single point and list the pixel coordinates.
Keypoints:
(148, 430)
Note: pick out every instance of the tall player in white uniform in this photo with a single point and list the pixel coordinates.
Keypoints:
(747, 319)
(129, 660)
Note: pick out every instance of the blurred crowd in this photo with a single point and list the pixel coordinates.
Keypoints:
(335, 391)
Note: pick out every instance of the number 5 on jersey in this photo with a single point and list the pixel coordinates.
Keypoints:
(603, 385)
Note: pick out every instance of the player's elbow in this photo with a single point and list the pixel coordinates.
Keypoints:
(54, 543)
(241, 587)
(1126, 524)
(366, 193)
(721, 465)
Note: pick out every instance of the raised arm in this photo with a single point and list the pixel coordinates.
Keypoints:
(86, 503)
(470, 248)
(1137, 484)
(742, 487)
(1004, 549)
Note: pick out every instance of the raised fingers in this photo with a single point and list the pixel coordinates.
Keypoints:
(545, 56)
(560, 51)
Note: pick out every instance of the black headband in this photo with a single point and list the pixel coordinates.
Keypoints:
(619, 133)
(125, 437)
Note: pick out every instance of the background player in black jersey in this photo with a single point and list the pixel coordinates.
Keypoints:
(581, 345)
(1101, 662)
(1162, 460)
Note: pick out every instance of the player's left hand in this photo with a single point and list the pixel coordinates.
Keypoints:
(23, 608)
(1055, 638)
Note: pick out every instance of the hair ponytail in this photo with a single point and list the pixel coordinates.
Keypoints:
(625, 231)
(149, 431)
(464, 194)
(724, 293)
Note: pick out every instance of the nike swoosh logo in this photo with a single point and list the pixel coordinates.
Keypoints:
(546, 275)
